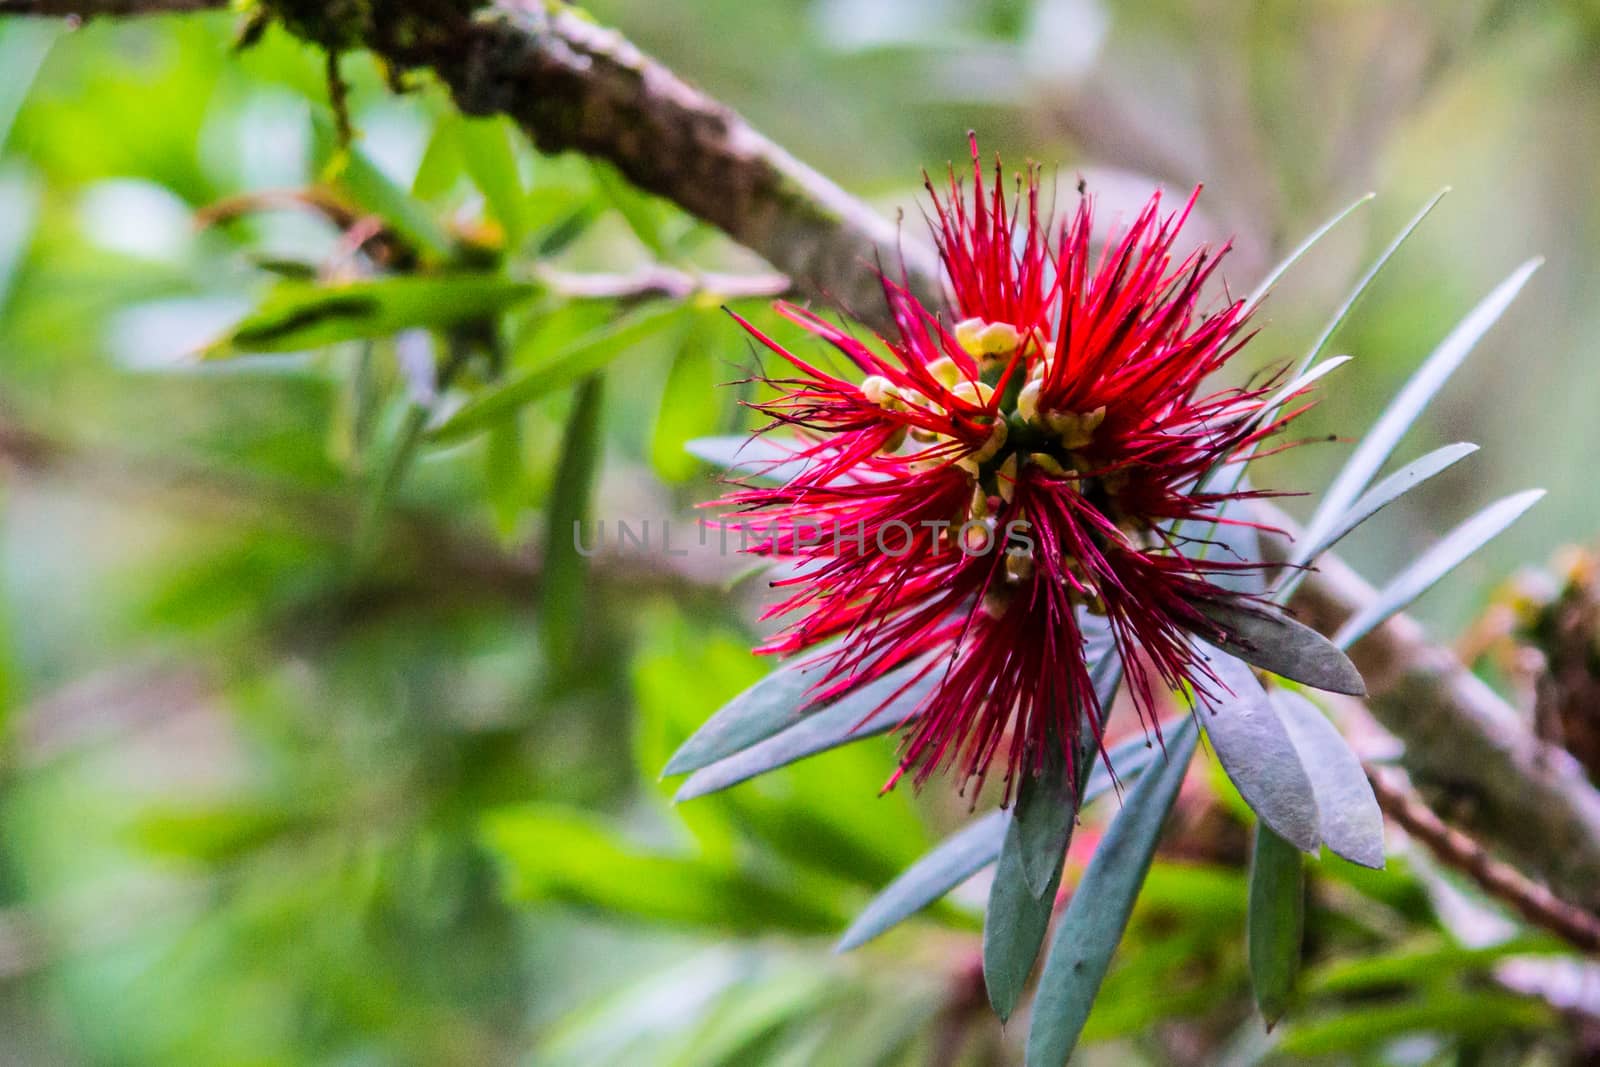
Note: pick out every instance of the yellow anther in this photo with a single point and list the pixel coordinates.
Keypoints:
(1019, 565)
(878, 390)
(978, 508)
(1028, 401)
(987, 340)
(990, 449)
(945, 371)
(1006, 479)
(1048, 463)
(978, 393)
(967, 331)
(1075, 430)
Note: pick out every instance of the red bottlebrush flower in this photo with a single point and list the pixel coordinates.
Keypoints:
(971, 489)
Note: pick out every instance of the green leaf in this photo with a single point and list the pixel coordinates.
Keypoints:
(1276, 923)
(957, 858)
(1421, 961)
(1373, 501)
(1254, 748)
(751, 459)
(1376, 447)
(561, 585)
(505, 476)
(297, 315)
(550, 854)
(1041, 827)
(977, 845)
(641, 212)
(691, 403)
(490, 155)
(1089, 931)
(1014, 926)
(1349, 819)
(1434, 564)
(1344, 309)
(360, 179)
(1277, 643)
(1472, 1015)
(1260, 291)
(556, 370)
(865, 712)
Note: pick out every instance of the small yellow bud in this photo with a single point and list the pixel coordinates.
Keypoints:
(967, 331)
(978, 508)
(1006, 480)
(945, 371)
(991, 447)
(876, 388)
(1075, 430)
(1019, 565)
(998, 339)
(1048, 463)
(978, 393)
(987, 340)
(1028, 401)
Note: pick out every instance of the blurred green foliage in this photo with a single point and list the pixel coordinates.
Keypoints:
(324, 747)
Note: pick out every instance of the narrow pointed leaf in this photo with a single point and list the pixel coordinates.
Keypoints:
(1434, 564)
(1376, 447)
(299, 315)
(1277, 643)
(359, 178)
(557, 370)
(1014, 926)
(1381, 496)
(489, 151)
(1255, 750)
(976, 846)
(1089, 931)
(957, 858)
(561, 607)
(1344, 309)
(1276, 922)
(771, 706)
(1349, 819)
(860, 714)
(1042, 826)
(1277, 272)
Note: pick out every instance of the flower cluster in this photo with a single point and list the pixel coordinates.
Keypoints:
(1030, 461)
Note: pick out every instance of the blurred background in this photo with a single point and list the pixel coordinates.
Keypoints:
(317, 749)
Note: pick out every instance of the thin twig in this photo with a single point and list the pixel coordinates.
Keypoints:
(87, 9)
(664, 283)
(1534, 902)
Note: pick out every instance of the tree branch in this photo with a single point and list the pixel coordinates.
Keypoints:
(1536, 904)
(1530, 799)
(88, 9)
(574, 86)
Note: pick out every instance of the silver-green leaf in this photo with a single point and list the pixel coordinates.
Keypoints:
(1379, 443)
(1254, 748)
(1434, 564)
(1349, 819)
(866, 712)
(1274, 642)
(1089, 931)
(1377, 498)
